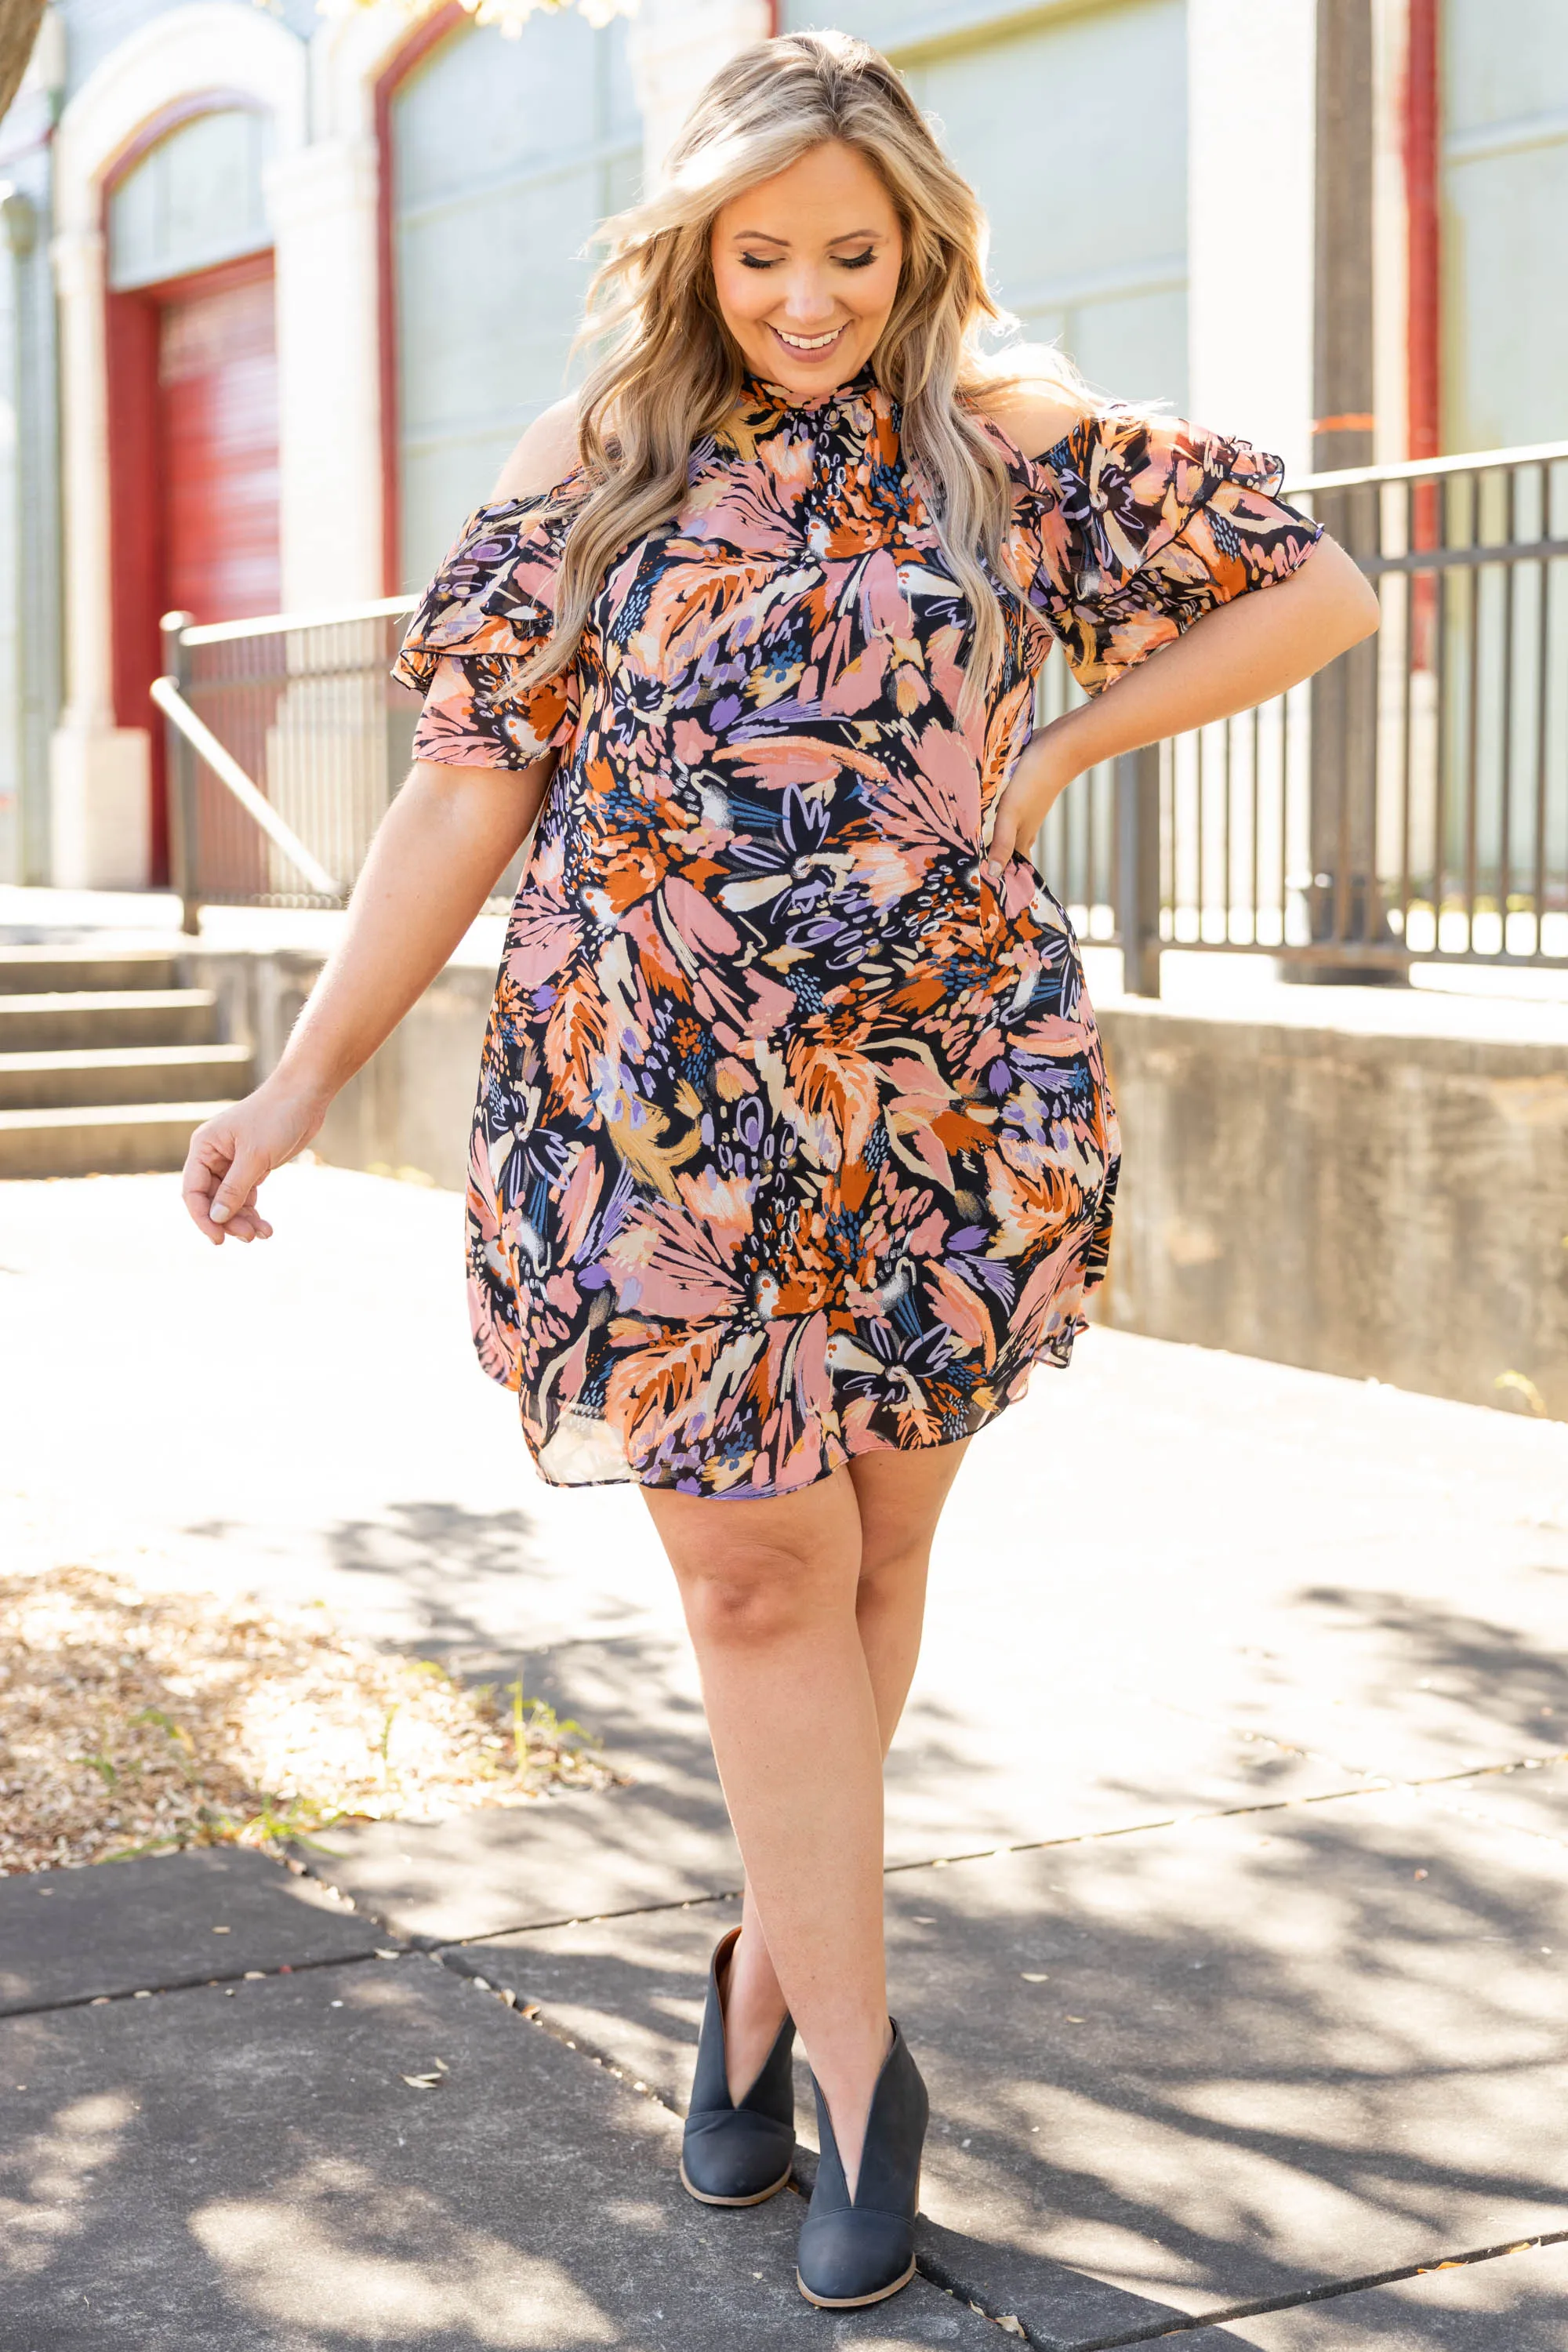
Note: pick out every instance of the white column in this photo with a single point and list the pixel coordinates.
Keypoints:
(1251, 141)
(98, 773)
(322, 204)
(674, 48)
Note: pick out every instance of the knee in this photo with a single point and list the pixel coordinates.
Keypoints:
(753, 1596)
(891, 1576)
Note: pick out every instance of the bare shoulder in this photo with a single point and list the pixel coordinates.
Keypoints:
(545, 455)
(1036, 413)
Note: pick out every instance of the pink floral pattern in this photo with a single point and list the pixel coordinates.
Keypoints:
(793, 1139)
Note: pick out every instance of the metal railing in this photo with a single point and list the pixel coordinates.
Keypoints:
(1409, 801)
(303, 713)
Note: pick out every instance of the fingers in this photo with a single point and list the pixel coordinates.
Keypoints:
(206, 1165)
(247, 1223)
(235, 1198)
(219, 1184)
(1004, 834)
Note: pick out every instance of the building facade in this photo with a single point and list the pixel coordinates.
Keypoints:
(280, 289)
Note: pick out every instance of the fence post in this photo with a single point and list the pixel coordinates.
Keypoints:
(180, 770)
(1138, 868)
(1345, 909)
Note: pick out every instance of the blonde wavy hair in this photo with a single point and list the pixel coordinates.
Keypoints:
(671, 373)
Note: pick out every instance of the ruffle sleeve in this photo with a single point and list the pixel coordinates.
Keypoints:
(485, 612)
(1133, 527)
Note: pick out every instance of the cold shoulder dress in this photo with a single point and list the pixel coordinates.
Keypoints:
(792, 1139)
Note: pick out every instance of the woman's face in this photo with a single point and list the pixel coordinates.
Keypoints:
(806, 265)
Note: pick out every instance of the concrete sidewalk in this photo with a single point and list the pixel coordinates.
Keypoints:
(1229, 1833)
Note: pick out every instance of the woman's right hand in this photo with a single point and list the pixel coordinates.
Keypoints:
(232, 1153)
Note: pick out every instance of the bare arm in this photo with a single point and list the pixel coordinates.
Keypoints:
(434, 862)
(1242, 653)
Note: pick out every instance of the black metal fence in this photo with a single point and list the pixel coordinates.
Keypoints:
(1411, 802)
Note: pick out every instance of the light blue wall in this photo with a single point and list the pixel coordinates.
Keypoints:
(1071, 125)
(95, 28)
(506, 156)
(1505, 223)
(194, 200)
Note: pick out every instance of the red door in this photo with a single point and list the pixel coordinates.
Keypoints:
(193, 382)
(217, 431)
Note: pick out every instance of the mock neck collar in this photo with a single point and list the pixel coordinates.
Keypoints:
(758, 393)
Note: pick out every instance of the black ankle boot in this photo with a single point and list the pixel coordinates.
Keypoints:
(861, 2252)
(737, 2155)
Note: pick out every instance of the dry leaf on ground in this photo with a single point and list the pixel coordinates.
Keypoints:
(134, 1720)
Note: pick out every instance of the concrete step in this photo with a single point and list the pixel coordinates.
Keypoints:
(68, 1018)
(31, 971)
(121, 1074)
(100, 1140)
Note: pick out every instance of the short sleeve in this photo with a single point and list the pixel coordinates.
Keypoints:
(1133, 527)
(485, 614)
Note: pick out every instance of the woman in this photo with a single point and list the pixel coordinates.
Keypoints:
(794, 1152)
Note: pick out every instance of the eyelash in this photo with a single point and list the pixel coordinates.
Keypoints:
(854, 261)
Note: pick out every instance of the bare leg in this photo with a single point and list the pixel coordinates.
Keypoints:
(802, 1693)
(900, 1497)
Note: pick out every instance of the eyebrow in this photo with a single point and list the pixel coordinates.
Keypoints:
(845, 236)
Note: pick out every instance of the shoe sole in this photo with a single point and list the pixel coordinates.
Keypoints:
(854, 2302)
(760, 2198)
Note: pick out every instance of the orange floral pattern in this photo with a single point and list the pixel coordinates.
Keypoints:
(793, 1139)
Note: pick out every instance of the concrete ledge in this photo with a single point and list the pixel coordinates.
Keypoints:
(1355, 1180)
(1378, 1202)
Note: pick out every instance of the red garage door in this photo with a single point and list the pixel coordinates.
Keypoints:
(217, 431)
(192, 373)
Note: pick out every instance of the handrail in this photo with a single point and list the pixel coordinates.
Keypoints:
(165, 693)
(269, 625)
(1424, 469)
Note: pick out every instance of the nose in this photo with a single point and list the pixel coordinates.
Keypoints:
(808, 307)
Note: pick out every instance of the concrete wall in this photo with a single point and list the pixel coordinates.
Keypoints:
(1324, 1190)
(1375, 1205)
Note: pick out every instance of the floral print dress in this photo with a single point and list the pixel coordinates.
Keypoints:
(793, 1139)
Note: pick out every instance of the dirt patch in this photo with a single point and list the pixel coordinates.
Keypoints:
(133, 1721)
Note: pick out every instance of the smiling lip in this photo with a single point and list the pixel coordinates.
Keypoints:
(812, 350)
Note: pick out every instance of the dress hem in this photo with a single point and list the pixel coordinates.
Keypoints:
(1056, 1358)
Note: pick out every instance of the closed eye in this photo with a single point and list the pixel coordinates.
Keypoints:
(845, 260)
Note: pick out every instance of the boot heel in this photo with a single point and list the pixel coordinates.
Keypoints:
(860, 2251)
(733, 2155)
